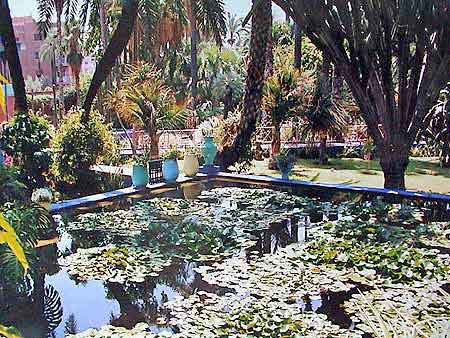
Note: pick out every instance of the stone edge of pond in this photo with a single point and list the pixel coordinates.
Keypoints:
(249, 179)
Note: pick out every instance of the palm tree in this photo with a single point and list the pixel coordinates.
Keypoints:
(144, 100)
(395, 70)
(234, 29)
(46, 9)
(254, 83)
(207, 17)
(75, 57)
(325, 117)
(12, 57)
(116, 46)
(285, 93)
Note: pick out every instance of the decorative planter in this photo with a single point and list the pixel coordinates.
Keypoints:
(190, 165)
(170, 171)
(285, 175)
(140, 176)
(209, 151)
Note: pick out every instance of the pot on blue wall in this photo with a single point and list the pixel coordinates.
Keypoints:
(140, 175)
(170, 171)
(209, 151)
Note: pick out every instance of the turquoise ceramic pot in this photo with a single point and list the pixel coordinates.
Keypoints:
(170, 171)
(209, 151)
(140, 176)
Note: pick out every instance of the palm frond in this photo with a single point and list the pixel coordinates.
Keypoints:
(45, 10)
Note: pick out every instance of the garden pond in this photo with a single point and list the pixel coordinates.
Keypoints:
(217, 259)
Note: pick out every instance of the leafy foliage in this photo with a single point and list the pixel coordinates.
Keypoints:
(78, 146)
(144, 100)
(11, 190)
(27, 140)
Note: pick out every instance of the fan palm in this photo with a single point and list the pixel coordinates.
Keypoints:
(438, 133)
(324, 118)
(286, 93)
(144, 100)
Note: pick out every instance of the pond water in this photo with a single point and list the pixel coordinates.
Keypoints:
(73, 303)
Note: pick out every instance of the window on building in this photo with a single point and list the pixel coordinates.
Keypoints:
(37, 37)
(19, 46)
(36, 55)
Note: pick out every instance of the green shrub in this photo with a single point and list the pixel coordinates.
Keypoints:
(11, 190)
(79, 146)
(26, 139)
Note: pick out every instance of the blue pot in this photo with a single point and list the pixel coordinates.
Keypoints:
(285, 175)
(209, 151)
(170, 171)
(140, 176)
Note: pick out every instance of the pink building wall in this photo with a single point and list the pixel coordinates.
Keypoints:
(29, 43)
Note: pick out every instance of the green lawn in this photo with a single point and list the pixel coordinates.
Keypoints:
(422, 174)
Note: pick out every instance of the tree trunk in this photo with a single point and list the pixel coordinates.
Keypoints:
(194, 43)
(325, 76)
(276, 144)
(76, 75)
(12, 57)
(254, 84)
(298, 47)
(269, 48)
(323, 157)
(116, 46)
(104, 37)
(60, 65)
(338, 83)
(394, 161)
(154, 150)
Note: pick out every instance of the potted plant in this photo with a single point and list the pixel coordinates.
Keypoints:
(140, 169)
(369, 150)
(209, 148)
(43, 197)
(191, 164)
(170, 165)
(285, 163)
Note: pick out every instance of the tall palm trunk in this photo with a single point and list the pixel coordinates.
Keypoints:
(325, 82)
(60, 58)
(194, 52)
(104, 36)
(12, 57)
(297, 47)
(117, 44)
(254, 83)
(323, 157)
(269, 48)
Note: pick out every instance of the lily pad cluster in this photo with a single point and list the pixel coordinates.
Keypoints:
(241, 316)
(116, 264)
(419, 310)
(381, 253)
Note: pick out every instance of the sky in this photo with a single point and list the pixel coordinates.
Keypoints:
(238, 7)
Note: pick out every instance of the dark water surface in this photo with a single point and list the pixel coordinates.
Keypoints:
(72, 306)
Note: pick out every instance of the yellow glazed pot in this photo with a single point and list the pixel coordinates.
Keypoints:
(190, 166)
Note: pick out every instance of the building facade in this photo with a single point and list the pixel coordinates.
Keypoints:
(29, 43)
